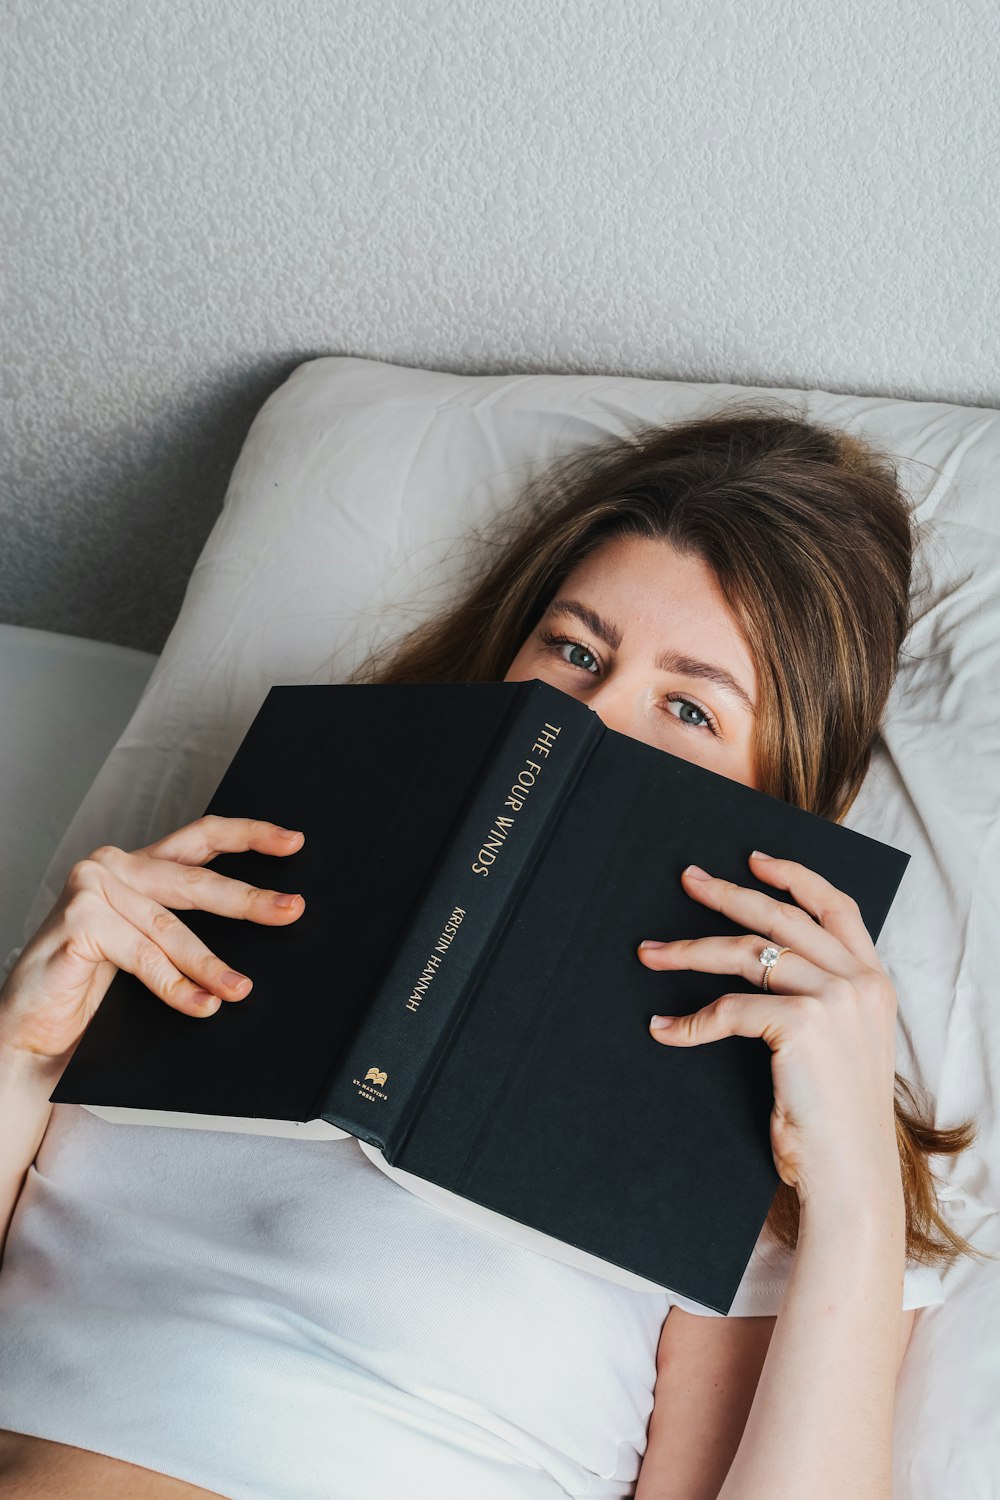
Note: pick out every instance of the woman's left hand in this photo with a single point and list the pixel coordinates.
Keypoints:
(829, 1017)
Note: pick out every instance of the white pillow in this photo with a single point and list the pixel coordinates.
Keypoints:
(354, 494)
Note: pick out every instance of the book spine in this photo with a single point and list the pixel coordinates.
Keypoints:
(374, 1090)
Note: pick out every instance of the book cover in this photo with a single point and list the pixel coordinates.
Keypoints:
(462, 991)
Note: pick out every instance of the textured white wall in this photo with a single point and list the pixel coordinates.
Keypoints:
(204, 193)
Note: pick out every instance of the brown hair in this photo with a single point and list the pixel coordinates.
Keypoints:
(812, 541)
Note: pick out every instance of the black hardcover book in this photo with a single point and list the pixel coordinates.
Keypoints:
(462, 990)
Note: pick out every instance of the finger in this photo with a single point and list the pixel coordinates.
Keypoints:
(787, 925)
(734, 1015)
(837, 912)
(188, 887)
(108, 935)
(741, 955)
(198, 842)
(185, 951)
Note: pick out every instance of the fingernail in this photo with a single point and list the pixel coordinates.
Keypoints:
(651, 943)
(658, 1022)
(759, 854)
(284, 900)
(207, 1001)
(697, 873)
(233, 980)
(288, 833)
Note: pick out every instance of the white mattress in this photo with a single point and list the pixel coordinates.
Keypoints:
(55, 690)
(343, 524)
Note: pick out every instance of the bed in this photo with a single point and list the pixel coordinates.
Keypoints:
(55, 690)
(343, 525)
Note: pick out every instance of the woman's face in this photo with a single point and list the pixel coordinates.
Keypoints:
(644, 637)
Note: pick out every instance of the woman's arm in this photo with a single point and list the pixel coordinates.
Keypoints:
(25, 1085)
(820, 1426)
(119, 911)
(708, 1371)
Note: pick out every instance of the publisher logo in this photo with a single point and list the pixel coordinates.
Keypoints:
(368, 1087)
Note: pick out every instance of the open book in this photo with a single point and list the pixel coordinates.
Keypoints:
(462, 992)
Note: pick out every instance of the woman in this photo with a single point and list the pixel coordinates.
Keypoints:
(733, 590)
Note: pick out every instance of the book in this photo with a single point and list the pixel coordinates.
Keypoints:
(462, 992)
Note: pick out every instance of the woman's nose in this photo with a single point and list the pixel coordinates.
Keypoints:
(614, 703)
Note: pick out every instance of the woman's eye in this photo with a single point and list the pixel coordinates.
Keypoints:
(557, 642)
(703, 720)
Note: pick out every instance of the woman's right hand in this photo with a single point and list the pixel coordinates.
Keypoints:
(113, 914)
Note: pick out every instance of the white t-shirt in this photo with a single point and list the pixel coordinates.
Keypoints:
(281, 1320)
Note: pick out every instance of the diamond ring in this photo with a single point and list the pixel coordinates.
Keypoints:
(769, 957)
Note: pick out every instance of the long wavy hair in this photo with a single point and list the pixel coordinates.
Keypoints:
(812, 541)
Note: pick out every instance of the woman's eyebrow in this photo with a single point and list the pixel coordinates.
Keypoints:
(667, 661)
